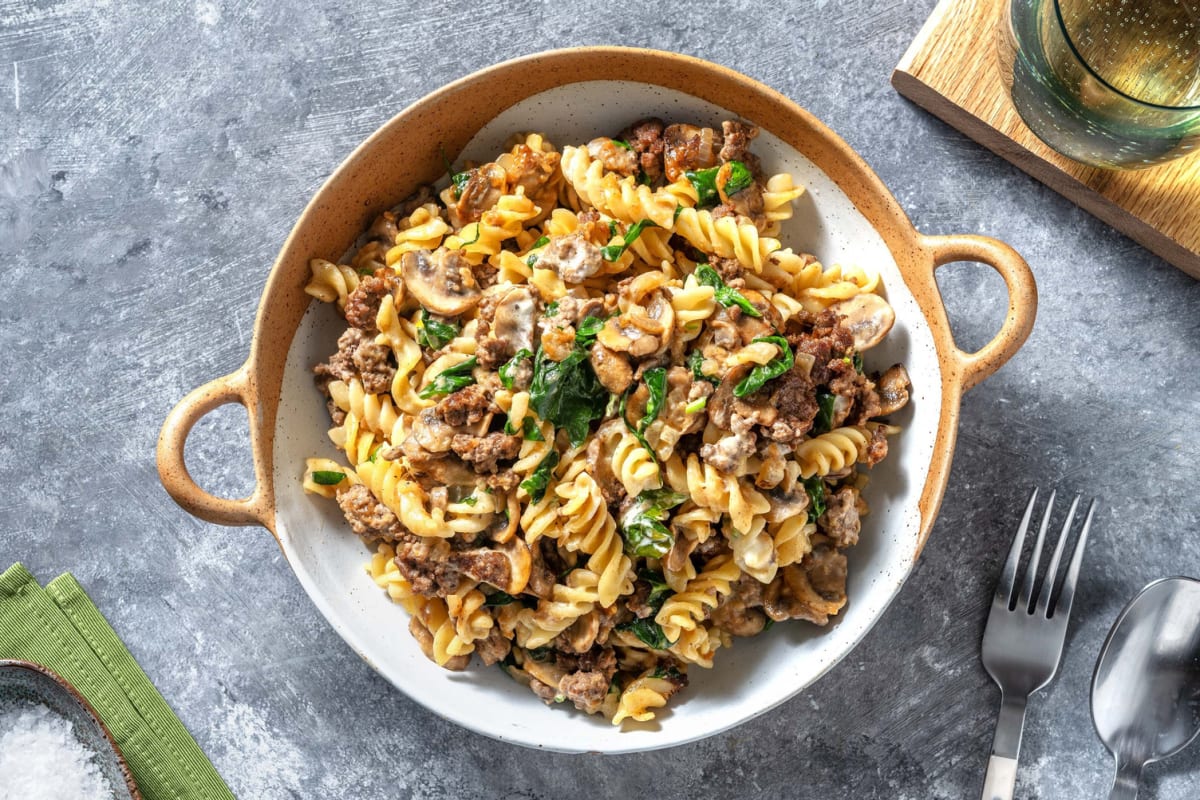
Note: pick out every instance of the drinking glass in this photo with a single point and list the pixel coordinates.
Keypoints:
(1111, 83)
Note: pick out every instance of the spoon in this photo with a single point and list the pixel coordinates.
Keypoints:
(1146, 690)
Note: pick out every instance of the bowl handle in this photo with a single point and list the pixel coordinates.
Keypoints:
(1022, 299)
(173, 472)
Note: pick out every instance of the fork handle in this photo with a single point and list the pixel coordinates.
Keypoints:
(1001, 778)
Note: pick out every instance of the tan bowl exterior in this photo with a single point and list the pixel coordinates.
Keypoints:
(370, 181)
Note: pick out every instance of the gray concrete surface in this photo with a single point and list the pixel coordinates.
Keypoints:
(152, 160)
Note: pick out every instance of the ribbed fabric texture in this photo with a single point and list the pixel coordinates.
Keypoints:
(60, 628)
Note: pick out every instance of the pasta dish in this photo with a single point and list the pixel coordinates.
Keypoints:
(595, 419)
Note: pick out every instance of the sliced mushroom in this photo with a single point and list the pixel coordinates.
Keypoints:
(617, 334)
(484, 187)
(868, 317)
(599, 458)
(786, 504)
(431, 433)
(506, 567)
(548, 671)
(441, 281)
(612, 368)
(580, 637)
(513, 323)
(573, 257)
(893, 387)
(687, 147)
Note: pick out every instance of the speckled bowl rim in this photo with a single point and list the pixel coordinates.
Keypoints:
(73, 693)
(357, 191)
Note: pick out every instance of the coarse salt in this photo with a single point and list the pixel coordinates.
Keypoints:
(42, 759)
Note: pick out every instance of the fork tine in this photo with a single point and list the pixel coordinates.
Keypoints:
(1008, 577)
(1043, 600)
(1026, 601)
(1063, 604)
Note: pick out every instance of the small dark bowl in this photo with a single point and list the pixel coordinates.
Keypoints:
(22, 680)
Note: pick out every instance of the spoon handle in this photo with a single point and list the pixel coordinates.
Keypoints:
(1125, 785)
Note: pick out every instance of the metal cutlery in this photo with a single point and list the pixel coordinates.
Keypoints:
(1023, 640)
(1146, 690)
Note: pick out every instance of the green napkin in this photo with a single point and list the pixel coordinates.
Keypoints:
(60, 628)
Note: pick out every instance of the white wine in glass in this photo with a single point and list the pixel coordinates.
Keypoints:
(1112, 83)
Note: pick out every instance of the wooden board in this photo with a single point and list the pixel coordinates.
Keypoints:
(952, 70)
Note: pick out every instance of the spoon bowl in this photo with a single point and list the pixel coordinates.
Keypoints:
(1146, 689)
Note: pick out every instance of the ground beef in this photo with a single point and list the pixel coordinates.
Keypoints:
(548, 694)
(687, 147)
(358, 357)
(483, 452)
(741, 611)
(467, 406)
(374, 364)
(840, 521)
(503, 481)
(856, 389)
(636, 602)
(368, 517)
(423, 563)
(877, 447)
(793, 398)
(727, 453)
(645, 137)
(735, 146)
(730, 269)
(586, 690)
(362, 304)
(823, 338)
(493, 649)
(712, 547)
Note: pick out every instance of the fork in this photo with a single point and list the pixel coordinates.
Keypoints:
(1023, 640)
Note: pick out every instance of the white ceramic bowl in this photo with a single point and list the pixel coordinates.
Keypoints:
(831, 221)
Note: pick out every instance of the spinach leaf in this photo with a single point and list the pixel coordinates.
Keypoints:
(613, 251)
(536, 483)
(567, 393)
(765, 372)
(586, 330)
(533, 257)
(642, 524)
(644, 180)
(858, 362)
(667, 672)
(499, 598)
(327, 477)
(739, 178)
(767, 625)
(621, 143)
(824, 420)
(450, 380)
(529, 430)
(541, 653)
(659, 590)
(705, 183)
(815, 487)
(696, 362)
(509, 367)
(648, 631)
(551, 310)
(707, 276)
(656, 382)
(433, 333)
(458, 179)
